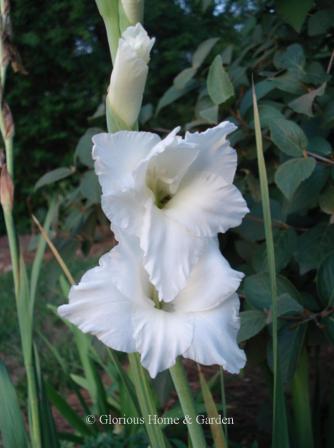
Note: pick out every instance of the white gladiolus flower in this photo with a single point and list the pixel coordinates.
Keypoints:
(173, 194)
(116, 302)
(129, 74)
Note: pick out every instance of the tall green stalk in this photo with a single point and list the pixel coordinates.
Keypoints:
(187, 404)
(280, 425)
(25, 316)
(146, 401)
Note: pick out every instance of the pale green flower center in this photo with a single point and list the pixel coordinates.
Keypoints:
(159, 186)
(160, 304)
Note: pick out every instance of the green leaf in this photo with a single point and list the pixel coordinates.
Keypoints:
(210, 114)
(258, 293)
(285, 243)
(319, 145)
(329, 327)
(289, 82)
(291, 174)
(288, 305)
(301, 403)
(303, 104)
(83, 150)
(53, 176)
(325, 281)
(290, 345)
(182, 79)
(294, 12)
(90, 188)
(47, 422)
(172, 94)
(11, 421)
(308, 192)
(268, 114)
(202, 51)
(226, 54)
(251, 323)
(146, 113)
(326, 200)
(320, 22)
(292, 59)
(315, 74)
(314, 246)
(206, 110)
(219, 85)
(288, 137)
(67, 412)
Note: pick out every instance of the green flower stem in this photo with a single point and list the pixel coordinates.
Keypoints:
(146, 401)
(9, 223)
(19, 278)
(110, 15)
(9, 156)
(185, 396)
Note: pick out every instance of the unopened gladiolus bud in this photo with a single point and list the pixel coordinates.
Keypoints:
(129, 75)
(6, 189)
(134, 10)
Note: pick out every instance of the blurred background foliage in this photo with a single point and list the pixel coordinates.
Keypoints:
(202, 66)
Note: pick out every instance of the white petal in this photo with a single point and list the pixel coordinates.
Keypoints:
(126, 268)
(168, 167)
(170, 252)
(96, 306)
(160, 337)
(125, 209)
(215, 337)
(207, 205)
(211, 281)
(138, 40)
(163, 145)
(118, 155)
(216, 154)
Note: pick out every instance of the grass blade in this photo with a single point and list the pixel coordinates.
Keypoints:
(223, 399)
(301, 403)
(211, 409)
(36, 267)
(67, 412)
(280, 438)
(54, 251)
(11, 421)
(25, 317)
(48, 427)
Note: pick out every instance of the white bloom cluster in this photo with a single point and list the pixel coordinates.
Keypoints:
(165, 290)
